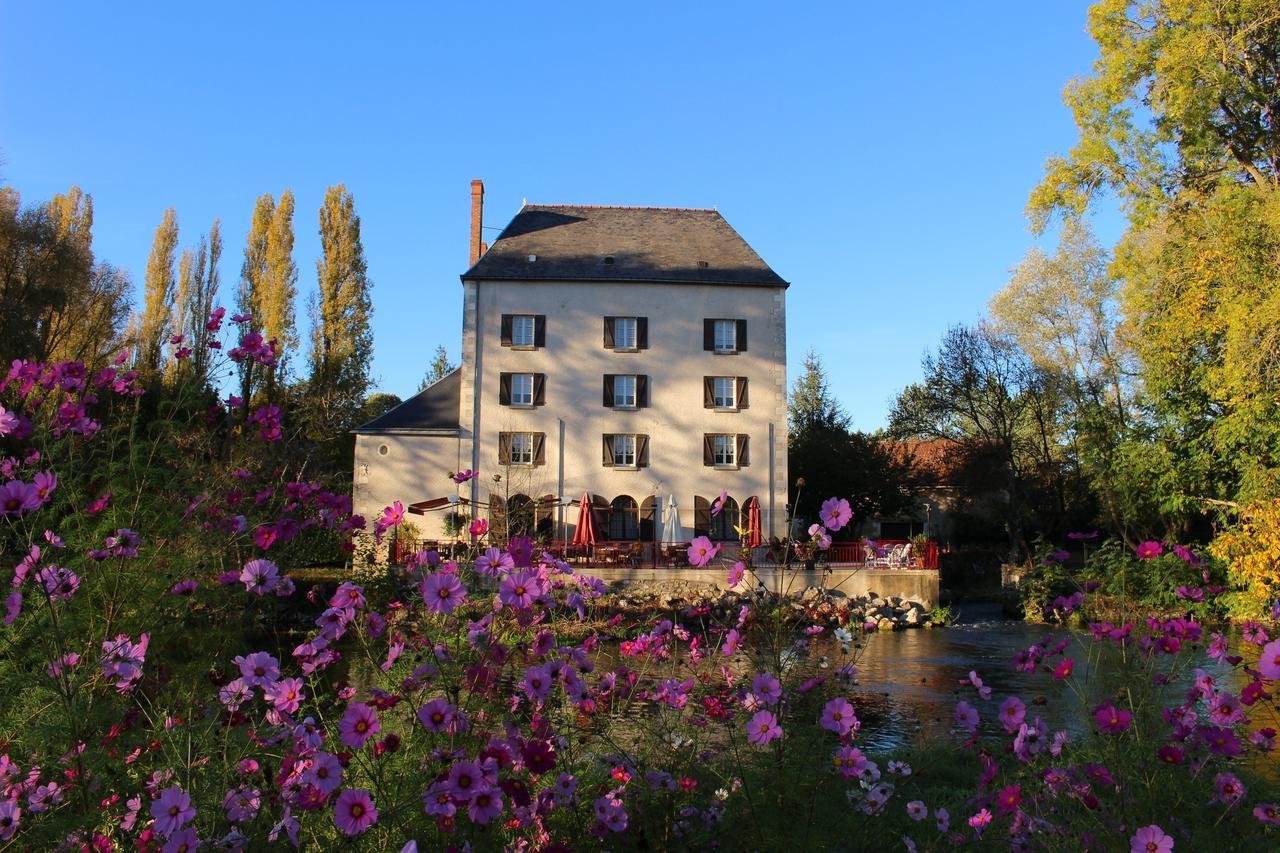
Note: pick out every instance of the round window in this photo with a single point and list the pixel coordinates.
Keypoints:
(383, 450)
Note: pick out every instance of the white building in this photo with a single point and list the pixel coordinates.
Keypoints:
(629, 353)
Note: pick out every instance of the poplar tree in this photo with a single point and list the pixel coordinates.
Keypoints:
(341, 339)
(253, 274)
(156, 322)
(197, 289)
(273, 302)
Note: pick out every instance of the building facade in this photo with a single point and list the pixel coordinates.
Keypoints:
(630, 354)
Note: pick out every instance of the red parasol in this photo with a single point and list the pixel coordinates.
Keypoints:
(585, 534)
(754, 540)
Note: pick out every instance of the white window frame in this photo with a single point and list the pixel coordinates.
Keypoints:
(724, 450)
(726, 336)
(721, 401)
(626, 333)
(624, 451)
(621, 384)
(518, 395)
(521, 455)
(524, 330)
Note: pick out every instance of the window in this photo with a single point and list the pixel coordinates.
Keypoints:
(726, 336)
(624, 391)
(383, 450)
(522, 330)
(522, 389)
(624, 332)
(722, 450)
(624, 450)
(624, 519)
(723, 392)
(521, 448)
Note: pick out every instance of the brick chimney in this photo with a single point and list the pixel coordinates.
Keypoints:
(477, 219)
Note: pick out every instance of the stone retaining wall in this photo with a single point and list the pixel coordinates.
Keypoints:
(918, 584)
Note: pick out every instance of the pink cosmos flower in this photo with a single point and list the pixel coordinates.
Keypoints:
(16, 497)
(1148, 550)
(184, 587)
(980, 820)
(1012, 713)
(1063, 669)
(736, 574)
(182, 841)
(966, 717)
(12, 607)
(98, 505)
(943, 817)
(917, 810)
(479, 528)
(766, 688)
(701, 551)
(45, 482)
(538, 683)
(437, 714)
(259, 669)
(465, 779)
(359, 723)
(1150, 839)
(1269, 660)
(10, 819)
(122, 660)
(485, 805)
(1008, 799)
(1229, 789)
(1267, 813)
(836, 513)
(1111, 719)
(8, 422)
(763, 728)
(242, 803)
(354, 811)
(172, 810)
(718, 504)
(838, 716)
(519, 589)
(325, 772)
(983, 690)
(259, 576)
(462, 476)
(286, 695)
(442, 592)
(850, 761)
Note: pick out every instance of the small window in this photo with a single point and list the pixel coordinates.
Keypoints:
(624, 332)
(608, 259)
(724, 392)
(522, 448)
(624, 519)
(522, 330)
(522, 389)
(723, 449)
(624, 392)
(383, 450)
(726, 336)
(624, 451)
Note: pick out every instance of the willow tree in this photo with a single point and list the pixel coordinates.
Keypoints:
(341, 338)
(156, 323)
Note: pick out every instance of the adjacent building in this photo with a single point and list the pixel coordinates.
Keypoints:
(631, 354)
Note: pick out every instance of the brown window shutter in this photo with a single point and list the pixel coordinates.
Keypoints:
(642, 333)
(642, 391)
(504, 389)
(539, 448)
(740, 394)
(540, 330)
(708, 335)
(608, 333)
(607, 455)
(743, 456)
(540, 389)
(642, 451)
(741, 343)
(504, 448)
(708, 449)
(506, 330)
(708, 392)
(608, 390)
(701, 516)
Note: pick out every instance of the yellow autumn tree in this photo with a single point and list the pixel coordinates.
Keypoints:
(1251, 551)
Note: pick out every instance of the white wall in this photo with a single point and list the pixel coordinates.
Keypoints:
(414, 468)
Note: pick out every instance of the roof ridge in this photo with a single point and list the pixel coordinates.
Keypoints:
(626, 207)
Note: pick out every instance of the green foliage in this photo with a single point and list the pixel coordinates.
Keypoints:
(439, 369)
(156, 324)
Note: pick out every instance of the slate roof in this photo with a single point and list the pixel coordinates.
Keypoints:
(434, 409)
(651, 244)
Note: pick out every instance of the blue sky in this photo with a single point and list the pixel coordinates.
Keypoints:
(878, 160)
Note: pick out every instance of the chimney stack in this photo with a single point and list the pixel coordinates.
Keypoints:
(477, 219)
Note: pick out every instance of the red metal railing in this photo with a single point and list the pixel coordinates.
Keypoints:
(882, 554)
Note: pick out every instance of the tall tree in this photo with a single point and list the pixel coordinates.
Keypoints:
(156, 323)
(439, 369)
(253, 275)
(196, 292)
(341, 339)
(273, 302)
(811, 400)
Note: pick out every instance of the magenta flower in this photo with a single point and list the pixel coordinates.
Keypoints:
(16, 497)
(259, 576)
(465, 779)
(9, 422)
(1008, 799)
(122, 660)
(1267, 813)
(462, 476)
(980, 820)
(358, 725)
(1269, 660)
(286, 695)
(354, 811)
(12, 607)
(10, 818)
(1150, 839)
(718, 504)
(485, 806)
(519, 589)
(172, 809)
(1063, 669)
(1148, 550)
(943, 817)
(325, 772)
(44, 482)
(966, 717)
(763, 728)
(259, 669)
(437, 714)
(838, 716)
(976, 680)
(1012, 713)
(242, 803)
(538, 683)
(479, 528)
(701, 551)
(835, 513)
(917, 810)
(1229, 789)
(766, 688)
(850, 761)
(1111, 719)
(736, 574)
(442, 592)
